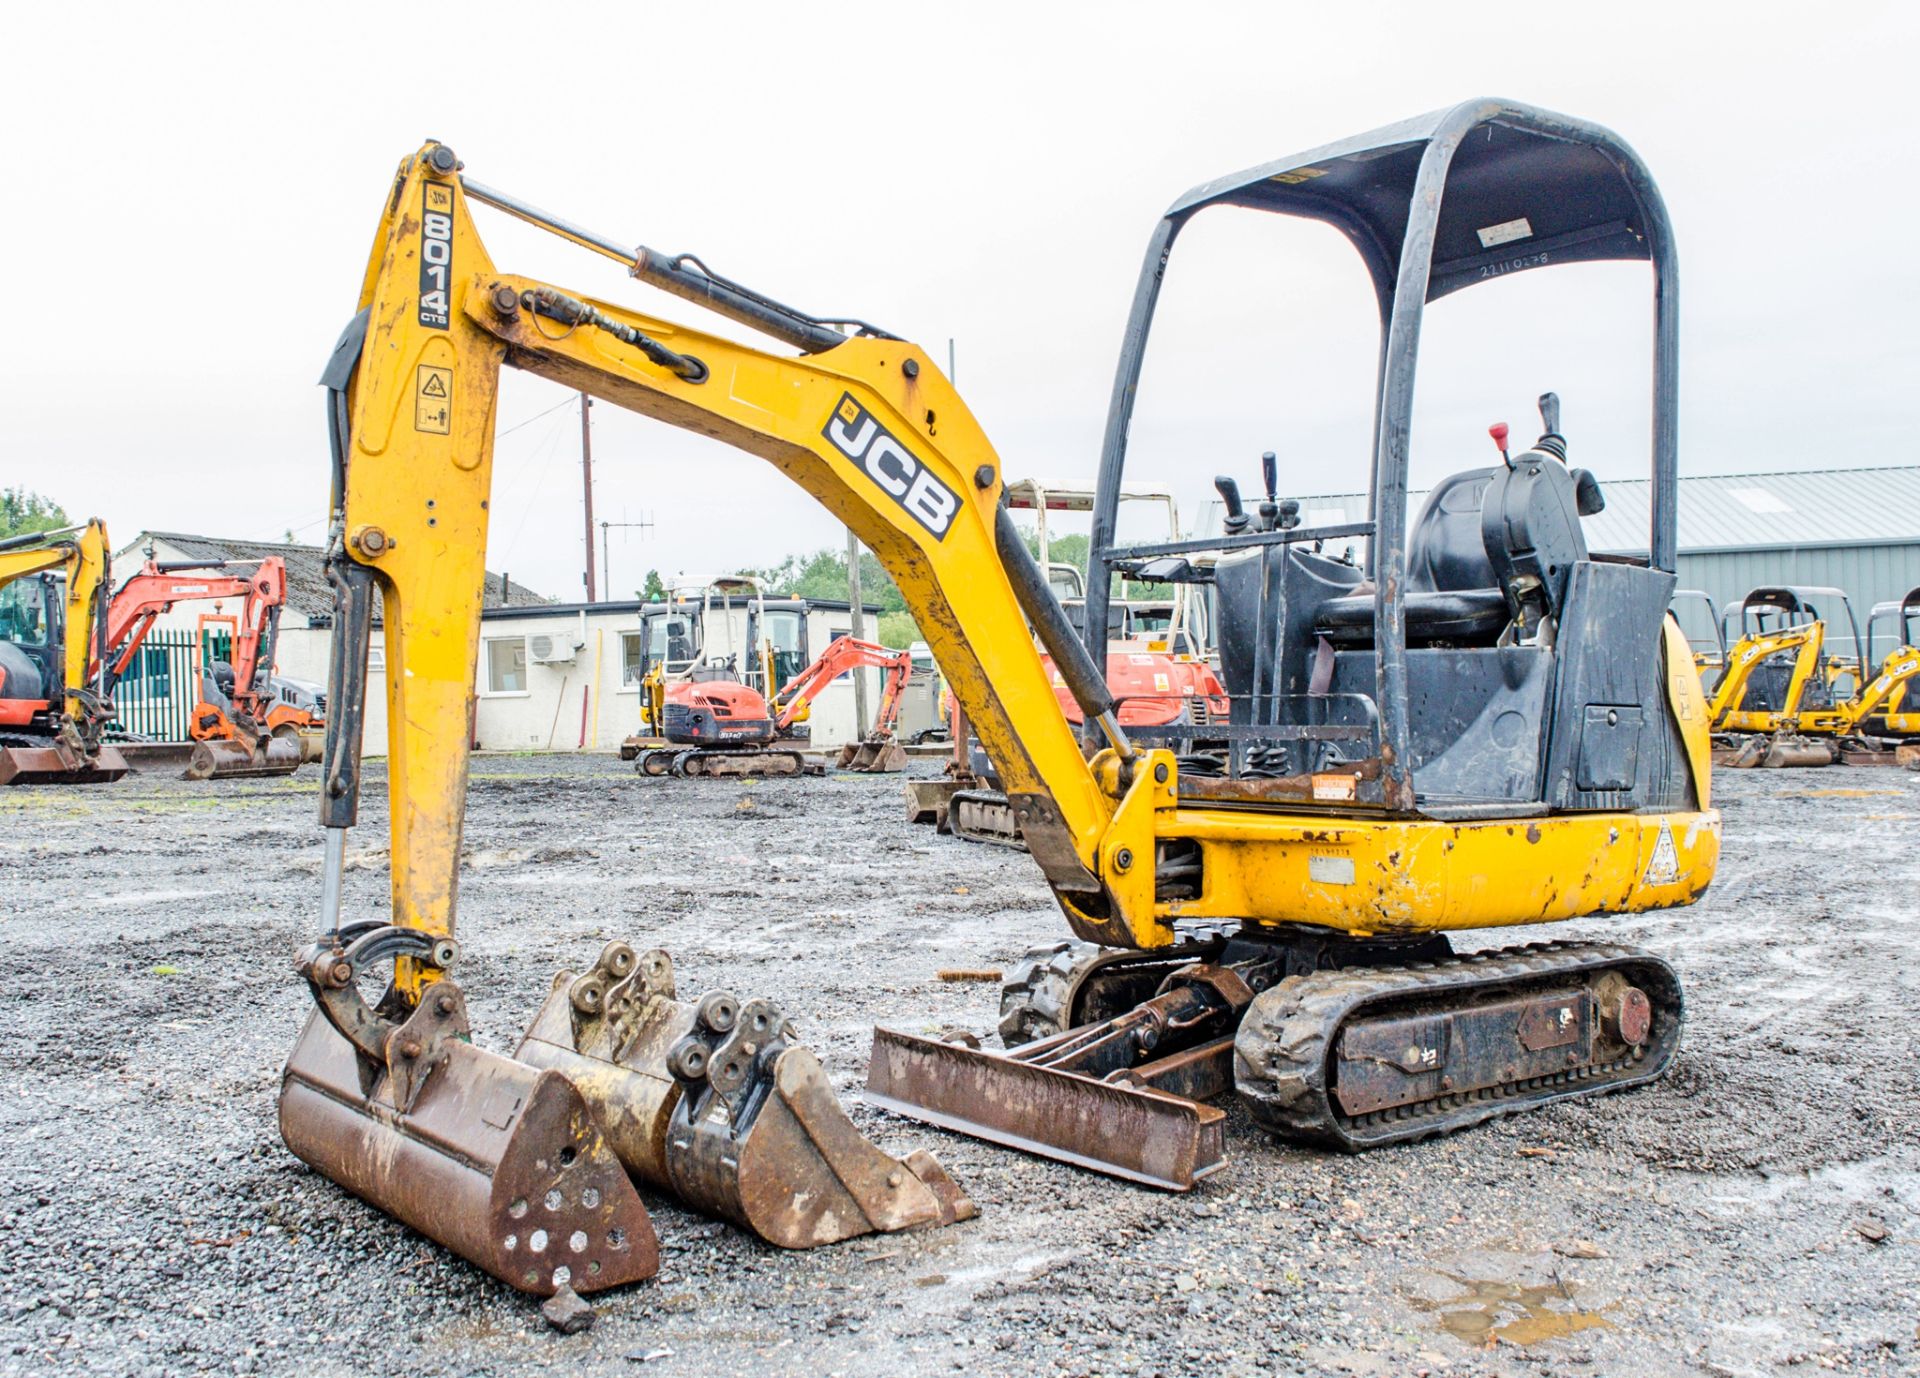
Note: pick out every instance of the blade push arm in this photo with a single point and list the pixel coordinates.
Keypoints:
(844, 654)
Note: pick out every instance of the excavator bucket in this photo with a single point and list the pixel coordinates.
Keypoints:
(716, 1104)
(875, 756)
(59, 764)
(281, 754)
(500, 1162)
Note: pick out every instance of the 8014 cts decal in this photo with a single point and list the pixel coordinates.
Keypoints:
(858, 435)
(436, 253)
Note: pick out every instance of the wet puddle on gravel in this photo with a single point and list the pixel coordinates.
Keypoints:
(1491, 1310)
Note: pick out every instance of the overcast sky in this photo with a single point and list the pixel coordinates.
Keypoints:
(192, 190)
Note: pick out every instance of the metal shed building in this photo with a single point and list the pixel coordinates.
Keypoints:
(1857, 530)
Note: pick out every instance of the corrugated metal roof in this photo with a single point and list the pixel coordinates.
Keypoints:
(1814, 507)
(308, 592)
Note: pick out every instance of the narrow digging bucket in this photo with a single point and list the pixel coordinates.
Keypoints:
(883, 757)
(58, 764)
(499, 1162)
(222, 760)
(714, 1103)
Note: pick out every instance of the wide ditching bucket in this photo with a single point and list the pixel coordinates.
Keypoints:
(60, 764)
(715, 1103)
(500, 1162)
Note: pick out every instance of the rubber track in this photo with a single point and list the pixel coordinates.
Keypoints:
(1284, 1049)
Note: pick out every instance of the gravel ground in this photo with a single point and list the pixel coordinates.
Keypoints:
(1757, 1212)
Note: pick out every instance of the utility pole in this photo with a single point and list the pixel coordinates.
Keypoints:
(586, 478)
(859, 632)
(606, 553)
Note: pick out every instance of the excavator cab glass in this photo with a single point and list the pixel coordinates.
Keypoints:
(785, 630)
(1468, 666)
(29, 609)
(1900, 618)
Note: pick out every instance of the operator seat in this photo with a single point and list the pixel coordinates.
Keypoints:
(1492, 547)
(1452, 595)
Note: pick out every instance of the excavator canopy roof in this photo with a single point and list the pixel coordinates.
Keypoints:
(1526, 188)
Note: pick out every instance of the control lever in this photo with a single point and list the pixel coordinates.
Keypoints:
(1289, 514)
(1269, 510)
(1229, 491)
(1498, 430)
(1551, 441)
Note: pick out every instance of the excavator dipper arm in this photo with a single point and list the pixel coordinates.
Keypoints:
(844, 654)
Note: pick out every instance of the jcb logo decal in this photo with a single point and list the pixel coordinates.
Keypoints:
(436, 253)
(862, 439)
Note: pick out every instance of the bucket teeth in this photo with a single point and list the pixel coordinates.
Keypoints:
(714, 1102)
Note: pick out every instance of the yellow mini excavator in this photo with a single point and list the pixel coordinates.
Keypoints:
(1479, 726)
(54, 704)
(1783, 700)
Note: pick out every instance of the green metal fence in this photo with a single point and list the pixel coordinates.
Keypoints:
(154, 698)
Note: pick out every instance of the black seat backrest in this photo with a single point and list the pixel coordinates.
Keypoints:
(1445, 550)
(1530, 522)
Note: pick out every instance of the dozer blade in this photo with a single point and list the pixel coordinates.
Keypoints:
(1123, 1130)
(714, 1103)
(885, 757)
(979, 815)
(221, 760)
(58, 764)
(927, 801)
(1775, 753)
(500, 1162)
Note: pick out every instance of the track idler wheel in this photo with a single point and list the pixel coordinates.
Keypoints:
(715, 1103)
(656, 762)
(498, 1161)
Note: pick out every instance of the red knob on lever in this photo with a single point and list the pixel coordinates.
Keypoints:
(1498, 430)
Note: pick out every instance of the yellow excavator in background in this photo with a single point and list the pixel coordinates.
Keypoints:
(1783, 700)
(54, 704)
(1480, 726)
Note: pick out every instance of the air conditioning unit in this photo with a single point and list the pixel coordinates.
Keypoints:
(552, 650)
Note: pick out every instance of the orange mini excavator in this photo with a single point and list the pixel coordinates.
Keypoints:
(245, 722)
(717, 725)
